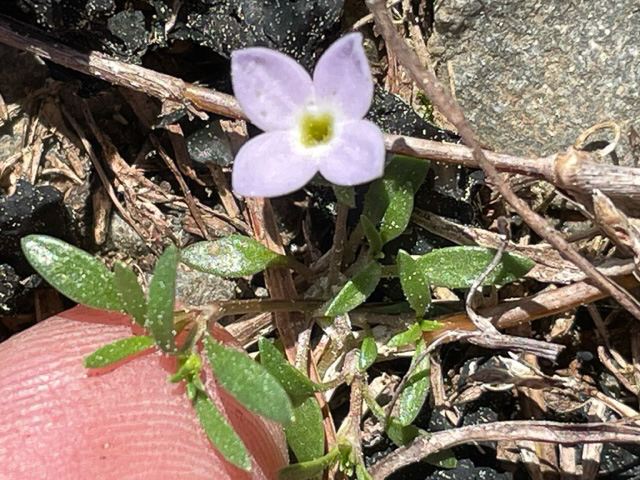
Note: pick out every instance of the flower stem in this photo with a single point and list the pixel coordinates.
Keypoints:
(339, 236)
(219, 309)
(300, 268)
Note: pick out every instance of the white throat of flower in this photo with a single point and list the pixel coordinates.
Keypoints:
(316, 126)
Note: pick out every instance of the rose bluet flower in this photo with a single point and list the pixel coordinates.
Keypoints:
(310, 125)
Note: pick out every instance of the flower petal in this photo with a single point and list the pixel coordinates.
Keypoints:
(270, 86)
(343, 77)
(266, 166)
(358, 155)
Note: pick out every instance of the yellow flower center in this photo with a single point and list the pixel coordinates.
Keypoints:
(316, 129)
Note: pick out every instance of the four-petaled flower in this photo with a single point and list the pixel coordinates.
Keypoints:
(310, 125)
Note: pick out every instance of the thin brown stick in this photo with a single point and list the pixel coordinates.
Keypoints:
(536, 431)
(438, 96)
(103, 175)
(227, 198)
(188, 198)
(527, 309)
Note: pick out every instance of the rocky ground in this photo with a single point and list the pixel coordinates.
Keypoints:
(120, 174)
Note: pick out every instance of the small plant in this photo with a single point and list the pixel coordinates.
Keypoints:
(273, 388)
(311, 126)
(81, 277)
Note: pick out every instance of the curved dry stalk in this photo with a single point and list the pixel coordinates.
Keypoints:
(447, 105)
(536, 431)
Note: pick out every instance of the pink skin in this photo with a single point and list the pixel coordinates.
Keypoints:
(58, 420)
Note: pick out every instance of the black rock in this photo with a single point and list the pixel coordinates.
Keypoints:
(394, 116)
(15, 292)
(465, 469)
(619, 462)
(296, 27)
(209, 145)
(29, 210)
(128, 27)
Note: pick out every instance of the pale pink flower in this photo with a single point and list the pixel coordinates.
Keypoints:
(311, 125)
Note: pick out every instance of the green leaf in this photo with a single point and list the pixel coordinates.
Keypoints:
(414, 283)
(361, 473)
(430, 325)
(398, 172)
(232, 256)
(131, 294)
(118, 350)
(189, 368)
(249, 382)
(398, 213)
(292, 380)
(345, 195)
(368, 353)
(310, 469)
(73, 272)
(161, 298)
(416, 389)
(373, 236)
(442, 459)
(376, 409)
(355, 291)
(401, 434)
(305, 434)
(220, 433)
(410, 335)
(458, 267)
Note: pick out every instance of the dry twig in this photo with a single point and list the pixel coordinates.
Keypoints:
(536, 431)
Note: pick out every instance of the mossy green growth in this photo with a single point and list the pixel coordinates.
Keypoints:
(316, 129)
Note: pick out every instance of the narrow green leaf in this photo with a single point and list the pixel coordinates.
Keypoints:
(118, 350)
(458, 267)
(414, 283)
(73, 272)
(373, 236)
(292, 380)
(232, 256)
(368, 353)
(375, 408)
(398, 172)
(189, 368)
(410, 335)
(400, 434)
(430, 325)
(305, 434)
(131, 294)
(355, 291)
(398, 213)
(442, 459)
(161, 298)
(310, 469)
(220, 433)
(249, 382)
(361, 473)
(415, 393)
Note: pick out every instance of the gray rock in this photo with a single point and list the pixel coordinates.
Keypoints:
(531, 75)
(196, 288)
